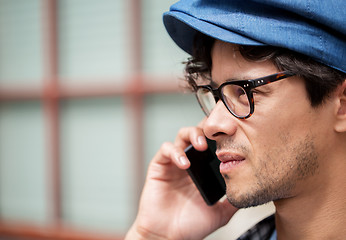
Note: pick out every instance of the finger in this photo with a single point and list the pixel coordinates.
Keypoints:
(169, 153)
(193, 135)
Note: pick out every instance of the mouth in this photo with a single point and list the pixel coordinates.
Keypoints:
(229, 161)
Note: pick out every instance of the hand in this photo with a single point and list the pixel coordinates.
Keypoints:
(171, 206)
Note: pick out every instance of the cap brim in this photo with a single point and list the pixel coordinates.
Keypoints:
(182, 28)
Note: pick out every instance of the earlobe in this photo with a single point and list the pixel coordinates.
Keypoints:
(340, 125)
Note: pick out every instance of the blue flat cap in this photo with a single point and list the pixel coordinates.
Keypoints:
(316, 28)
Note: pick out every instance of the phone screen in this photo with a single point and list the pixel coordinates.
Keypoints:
(205, 173)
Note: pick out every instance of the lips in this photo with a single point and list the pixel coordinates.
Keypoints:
(229, 161)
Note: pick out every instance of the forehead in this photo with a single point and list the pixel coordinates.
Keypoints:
(228, 63)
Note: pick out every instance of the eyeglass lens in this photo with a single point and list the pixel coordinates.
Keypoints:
(206, 100)
(234, 97)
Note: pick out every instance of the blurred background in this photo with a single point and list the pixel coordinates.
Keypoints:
(89, 90)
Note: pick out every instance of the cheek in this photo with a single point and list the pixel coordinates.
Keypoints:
(277, 145)
(272, 124)
(286, 108)
(292, 160)
(272, 142)
(265, 136)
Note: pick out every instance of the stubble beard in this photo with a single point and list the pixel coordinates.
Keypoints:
(277, 176)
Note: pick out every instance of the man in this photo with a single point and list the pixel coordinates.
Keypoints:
(280, 137)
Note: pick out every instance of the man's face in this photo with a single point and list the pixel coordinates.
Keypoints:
(275, 153)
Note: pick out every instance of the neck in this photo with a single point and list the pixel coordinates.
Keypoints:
(316, 212)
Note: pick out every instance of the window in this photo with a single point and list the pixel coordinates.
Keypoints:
(89, 90)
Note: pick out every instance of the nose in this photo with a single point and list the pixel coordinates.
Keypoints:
(220, 123)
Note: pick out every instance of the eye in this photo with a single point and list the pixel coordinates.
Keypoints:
(239, 92)
(235, 94)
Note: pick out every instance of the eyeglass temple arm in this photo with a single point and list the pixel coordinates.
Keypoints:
(272, 78)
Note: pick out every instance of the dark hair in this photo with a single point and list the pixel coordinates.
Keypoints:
(320, 80)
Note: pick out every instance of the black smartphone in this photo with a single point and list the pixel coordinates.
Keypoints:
(205, 173)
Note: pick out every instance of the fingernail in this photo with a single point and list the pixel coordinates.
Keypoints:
(200, 140)
(183, 160)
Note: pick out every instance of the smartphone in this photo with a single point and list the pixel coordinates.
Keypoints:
(205, 172)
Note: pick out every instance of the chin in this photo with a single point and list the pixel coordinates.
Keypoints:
(249, 198)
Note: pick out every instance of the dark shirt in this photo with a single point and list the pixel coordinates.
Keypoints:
(261, 231)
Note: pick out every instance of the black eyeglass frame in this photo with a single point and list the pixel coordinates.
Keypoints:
(247, 85)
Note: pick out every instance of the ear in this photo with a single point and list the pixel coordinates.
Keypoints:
(340, 124)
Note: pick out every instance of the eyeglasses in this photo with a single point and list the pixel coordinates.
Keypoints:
(236, 95)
